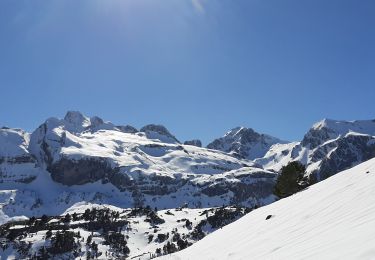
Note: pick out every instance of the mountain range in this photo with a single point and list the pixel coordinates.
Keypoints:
(151, 166)
(70, 163)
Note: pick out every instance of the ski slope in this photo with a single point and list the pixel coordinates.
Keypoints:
(334, 219)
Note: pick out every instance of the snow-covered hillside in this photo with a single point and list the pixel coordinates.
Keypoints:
(244, 142)
(328, 147)
(334, 219)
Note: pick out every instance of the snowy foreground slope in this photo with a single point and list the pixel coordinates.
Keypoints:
(334, 219)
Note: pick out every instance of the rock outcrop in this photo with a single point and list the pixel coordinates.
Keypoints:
(244, 143)
(194, 142)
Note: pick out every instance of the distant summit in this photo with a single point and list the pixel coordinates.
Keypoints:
(244, 143)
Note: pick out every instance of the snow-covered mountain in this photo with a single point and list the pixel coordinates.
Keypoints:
(327, 148)
(66, 161)
(334, 219)
(79, 162)
(244, 142)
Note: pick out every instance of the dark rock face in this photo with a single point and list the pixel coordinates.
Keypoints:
(316, 137)
(245, 191)
(96, 121)
(158, 129)
(194, 142)
(252, 186)
(119, 180)
(242, 192)
(127, 129)
(351, 150)
(79, 172)
(215, 190)
(89, 170)
(18, 159)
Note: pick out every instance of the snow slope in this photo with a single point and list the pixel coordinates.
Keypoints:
(334, 219)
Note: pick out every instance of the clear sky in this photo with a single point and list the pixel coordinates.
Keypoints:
(200, 67)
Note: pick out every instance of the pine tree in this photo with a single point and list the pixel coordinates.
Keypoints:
(290, 179)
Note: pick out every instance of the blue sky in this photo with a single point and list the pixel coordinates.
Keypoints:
(200, 67)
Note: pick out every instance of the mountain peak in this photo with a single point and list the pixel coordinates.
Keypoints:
(243, 132)
(325, 122)
(329, 129)
(244, 142)
(77, 119)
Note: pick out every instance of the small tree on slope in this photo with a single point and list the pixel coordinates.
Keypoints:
(290, 180)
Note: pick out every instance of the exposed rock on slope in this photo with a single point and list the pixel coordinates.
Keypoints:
(160, 133)
(127, 129)
(194, 142)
